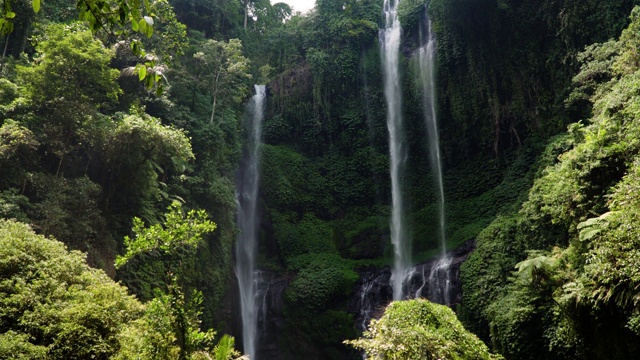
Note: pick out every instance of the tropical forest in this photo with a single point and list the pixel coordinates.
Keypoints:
(363, 179)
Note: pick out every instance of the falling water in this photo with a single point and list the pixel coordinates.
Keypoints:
(262, 287)
(246, 244)
(373, 296)
(390, 52)
(426, 57)
(439, 281)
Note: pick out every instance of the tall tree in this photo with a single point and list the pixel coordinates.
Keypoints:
(227, 72)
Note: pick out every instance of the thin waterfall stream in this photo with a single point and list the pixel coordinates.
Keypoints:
(426, 58)
(390, 52)
(439, 280)
(248, 224)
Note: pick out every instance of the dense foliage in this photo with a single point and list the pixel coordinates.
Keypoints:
(68, 153)
(86, 147)
(106, 123)
(520, 57)
(418, 329)
(174, 314)
(575, 296)
(54, 306)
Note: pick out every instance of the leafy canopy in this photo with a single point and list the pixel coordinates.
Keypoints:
(418, 330)
(52, 304)
(179, 230)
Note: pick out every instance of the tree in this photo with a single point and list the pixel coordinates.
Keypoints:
(419, 330)
(281, 12)
(173, 315)
(227, 72)
(52, 304)
(78, 168)
(132, 155)
(69, 59)
(120, 19)
(179, 230)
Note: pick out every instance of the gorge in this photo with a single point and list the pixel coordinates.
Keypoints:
(480, 154)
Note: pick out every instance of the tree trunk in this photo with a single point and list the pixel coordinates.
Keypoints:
(213, 110)
(246, 10)
(215, 93)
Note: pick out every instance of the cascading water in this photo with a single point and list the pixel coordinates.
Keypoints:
(390, 52)
(439, 281)
(426, 59)
(262, 287)
(247, 241)
(436, 279)
(372, 296)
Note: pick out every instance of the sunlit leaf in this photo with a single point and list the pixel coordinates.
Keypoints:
(6, 27)
(142, 26)
(149, 30)
(142, 72)
(134, 25)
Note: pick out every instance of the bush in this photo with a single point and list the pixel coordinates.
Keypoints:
(418, 329)
(325, 279)
(52, 304)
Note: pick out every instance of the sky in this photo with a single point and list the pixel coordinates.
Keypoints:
(298, 5)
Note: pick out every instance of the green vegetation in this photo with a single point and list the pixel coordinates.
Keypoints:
(86, 147)
(575, 295)
(418, 329)
(54, 306)
(173, 315)
(139, 108)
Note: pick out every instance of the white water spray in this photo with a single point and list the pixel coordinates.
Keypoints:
(426, 58)
(390, 52)
(439, 281)
(247, 241)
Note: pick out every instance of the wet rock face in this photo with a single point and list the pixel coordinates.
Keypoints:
(437, 280)
(271, 322)
(370, 296)
(373, 294)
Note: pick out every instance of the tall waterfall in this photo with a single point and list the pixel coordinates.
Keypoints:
(247, 241)
(439, 278)
(390, 52)
(426, 58)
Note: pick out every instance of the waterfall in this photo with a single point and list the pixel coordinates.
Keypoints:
(373, 296)
(247, 241)
(433, 280)
(390, 52)
(437, 279)
(426, 59)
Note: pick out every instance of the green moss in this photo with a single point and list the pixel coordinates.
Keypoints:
(410, 13)
(322, 279)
